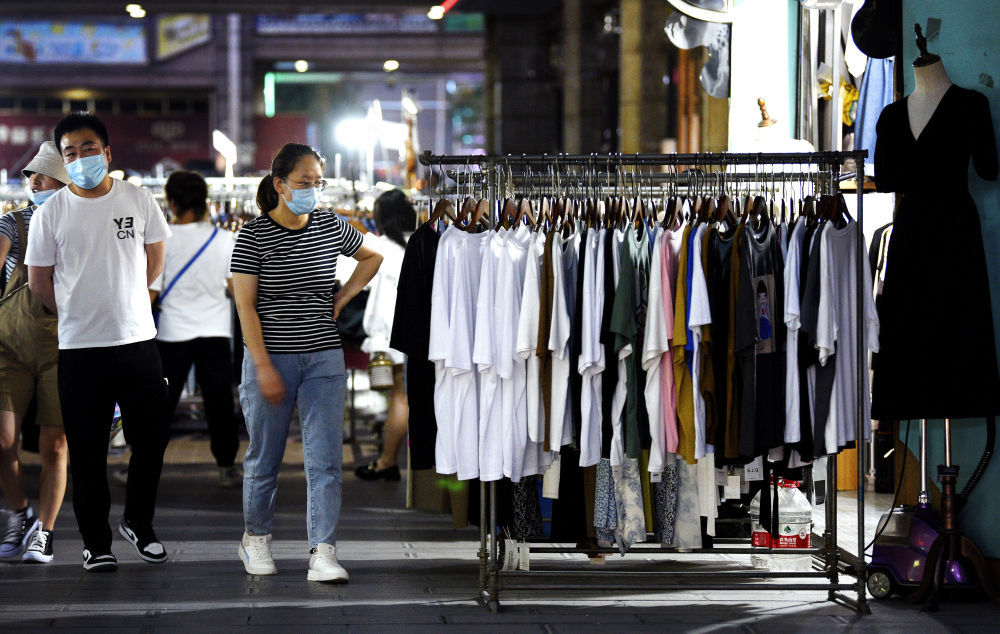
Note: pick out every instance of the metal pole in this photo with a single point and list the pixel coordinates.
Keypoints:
(923, 498)
(702, 158)
(864, 421)
(947, 442)
(233, 68)
(833, 552)
(493, 587)
(483, 552)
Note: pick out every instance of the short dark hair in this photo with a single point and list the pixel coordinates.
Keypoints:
(79, 121)
(282, 165)
(394, 214)
(189, 191)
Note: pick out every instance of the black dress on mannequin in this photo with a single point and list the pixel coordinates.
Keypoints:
(937, 354)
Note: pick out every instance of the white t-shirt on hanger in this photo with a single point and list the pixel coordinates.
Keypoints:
(460, 363)
(97, 246)
(591, 363)
(446, 262)
(522, 457)
(486, 355)
(565, 254)
(836, 332)
(656, 342)
(527, 337)
(793, 321)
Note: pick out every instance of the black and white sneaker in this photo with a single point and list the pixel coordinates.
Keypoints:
(146, 544)
(39, 548)
(99, 562)
(20, 525)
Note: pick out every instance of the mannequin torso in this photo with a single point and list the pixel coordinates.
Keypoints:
(931, 83)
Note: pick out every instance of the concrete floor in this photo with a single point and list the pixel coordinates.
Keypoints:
(410, 571)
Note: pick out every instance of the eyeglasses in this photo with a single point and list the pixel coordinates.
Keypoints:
(320, 184)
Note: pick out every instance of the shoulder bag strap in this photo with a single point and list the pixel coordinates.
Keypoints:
(215, 230)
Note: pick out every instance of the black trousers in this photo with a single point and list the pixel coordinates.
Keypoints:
(91, 380)
(214, 371)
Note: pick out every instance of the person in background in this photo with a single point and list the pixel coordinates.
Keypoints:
(94, 249)
(195, 318)
(284, 267)
(28, 369)
(395, 220)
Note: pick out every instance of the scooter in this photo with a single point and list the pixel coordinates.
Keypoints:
(905, 535)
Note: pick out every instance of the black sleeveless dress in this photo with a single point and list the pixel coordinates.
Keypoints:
(937, 354)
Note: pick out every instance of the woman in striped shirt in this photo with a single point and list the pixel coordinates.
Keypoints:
(284, 266)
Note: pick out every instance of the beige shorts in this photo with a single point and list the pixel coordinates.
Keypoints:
(19, 383)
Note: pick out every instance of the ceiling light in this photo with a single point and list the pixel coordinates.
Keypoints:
(301, 66)
(135, 10)
(436, 12)
(390, 65)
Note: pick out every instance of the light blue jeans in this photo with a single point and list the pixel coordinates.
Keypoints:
(316, 383)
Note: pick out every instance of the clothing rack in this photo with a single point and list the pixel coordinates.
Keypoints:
(492, 169)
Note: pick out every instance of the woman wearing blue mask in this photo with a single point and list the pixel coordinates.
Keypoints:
(284, 266)
(28, 369)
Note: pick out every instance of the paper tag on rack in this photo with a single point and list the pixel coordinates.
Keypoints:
(755, 470)
(720, 477)
(655, 477)
(524, 555)
(732, 490)
(511, 554)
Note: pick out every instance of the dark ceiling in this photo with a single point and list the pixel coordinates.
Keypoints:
(52, 8)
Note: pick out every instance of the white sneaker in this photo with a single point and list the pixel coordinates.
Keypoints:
(323, 565)
(255, 553)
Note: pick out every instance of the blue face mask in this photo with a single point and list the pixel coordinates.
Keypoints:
(39, 197)
(88, 172)
(303, 201)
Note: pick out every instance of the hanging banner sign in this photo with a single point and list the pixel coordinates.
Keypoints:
(137, 142)
(181, 32)
(344, 23)
(52, 42)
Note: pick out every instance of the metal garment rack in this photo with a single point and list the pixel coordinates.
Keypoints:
(493, 169)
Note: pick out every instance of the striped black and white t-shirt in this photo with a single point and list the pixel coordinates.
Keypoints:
(8, 229)
(295, 270)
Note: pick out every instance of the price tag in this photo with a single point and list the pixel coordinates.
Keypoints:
(511, 554)
(732, 490)
(720, 477)
(524, 552)
(655, 477)
(755, 470)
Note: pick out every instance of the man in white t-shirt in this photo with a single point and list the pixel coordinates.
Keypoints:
(94, 249)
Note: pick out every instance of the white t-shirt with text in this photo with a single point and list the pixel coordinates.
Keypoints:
(97, 246)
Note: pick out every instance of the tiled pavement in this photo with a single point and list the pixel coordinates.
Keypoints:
(410, 571)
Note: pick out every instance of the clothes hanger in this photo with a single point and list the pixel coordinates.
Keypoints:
(468, 206)
(509, 208)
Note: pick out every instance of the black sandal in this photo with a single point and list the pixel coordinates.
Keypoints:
(369, 472)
